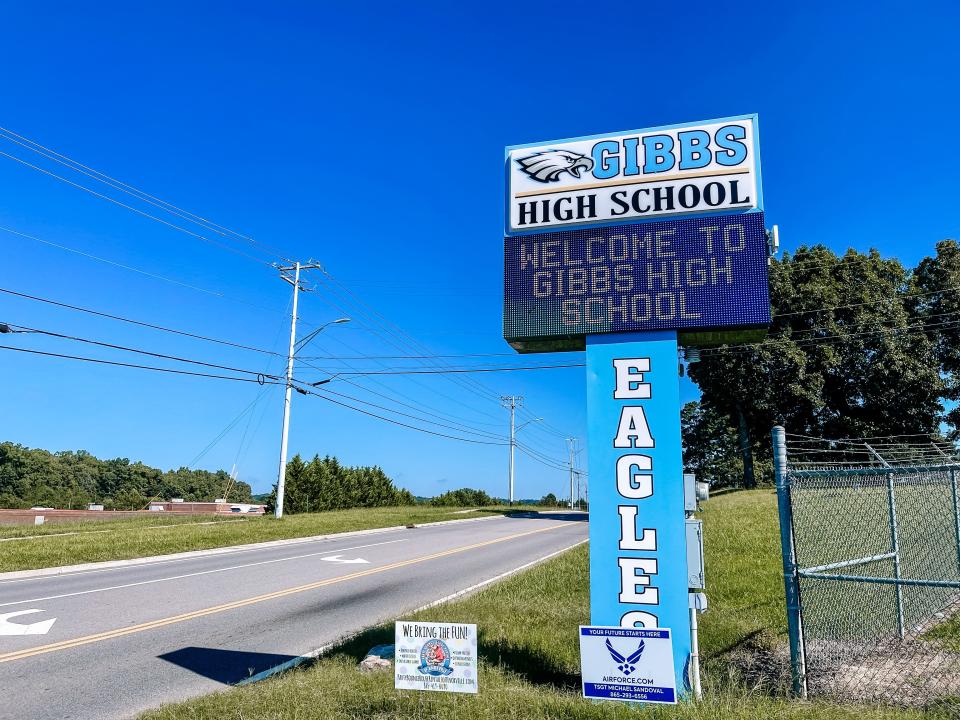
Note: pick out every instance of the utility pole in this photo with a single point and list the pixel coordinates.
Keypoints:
(571, 442)
(285, 274)
(512, 402)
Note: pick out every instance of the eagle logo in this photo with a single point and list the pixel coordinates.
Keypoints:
(626, 665)
(547, 166)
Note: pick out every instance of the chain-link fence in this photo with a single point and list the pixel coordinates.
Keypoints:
(871, 539)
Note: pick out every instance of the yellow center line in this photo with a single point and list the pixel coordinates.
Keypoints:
(120, 632)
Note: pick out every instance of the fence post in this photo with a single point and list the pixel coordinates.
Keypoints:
(895, 549)
(956, 513)
(790, 583)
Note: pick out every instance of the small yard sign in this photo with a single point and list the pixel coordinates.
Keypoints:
(627, 664)
(436, 656)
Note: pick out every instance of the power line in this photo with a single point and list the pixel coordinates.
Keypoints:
(141, 323)
(111, 262)
(462, 425)
(185, 215)
(448, 371)
(457, 427)
(233, 423)
(406, 357)
(556, 465)
(837, 261)
(116, 184)
(465, 381)
(139, 351)
(397, 422)
(136, 210)
(869, 302)
(142, 272)
(139, 367)
(373, 331)
(869, 437)
(749, 347)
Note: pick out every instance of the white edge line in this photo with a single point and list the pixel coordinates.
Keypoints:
(324, 649)
(191, 554)
(199, 572)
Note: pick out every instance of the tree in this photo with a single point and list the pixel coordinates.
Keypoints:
(325, 484)
(549, 500)
(464, 497)
(710, 445)
(842, 358)
(74, 479)
(934, 301)
(127, 499)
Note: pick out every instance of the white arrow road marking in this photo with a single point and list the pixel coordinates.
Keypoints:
(338, 559)
(39, 628)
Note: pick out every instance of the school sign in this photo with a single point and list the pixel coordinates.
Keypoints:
(627, 246)
(611, 179)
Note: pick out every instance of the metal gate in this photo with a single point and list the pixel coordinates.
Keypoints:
(871, 558)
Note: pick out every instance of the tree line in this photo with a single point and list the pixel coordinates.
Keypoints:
(70, 480)
(325, 484)
(860, 346)
(464, 497)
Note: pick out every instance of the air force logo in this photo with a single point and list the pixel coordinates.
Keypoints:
(547, 166)
(626, 665)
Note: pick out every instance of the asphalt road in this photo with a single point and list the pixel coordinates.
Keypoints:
(130, 638)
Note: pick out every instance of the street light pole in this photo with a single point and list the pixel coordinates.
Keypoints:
(282, 474)
(294, 279)
(512, 402)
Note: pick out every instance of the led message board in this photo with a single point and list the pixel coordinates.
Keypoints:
(694, 168)
(704, 277)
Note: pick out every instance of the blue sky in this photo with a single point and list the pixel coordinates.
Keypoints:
(370, 137)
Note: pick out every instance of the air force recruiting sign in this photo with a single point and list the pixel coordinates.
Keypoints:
(436, 656)
(706, 167)
(627, 664)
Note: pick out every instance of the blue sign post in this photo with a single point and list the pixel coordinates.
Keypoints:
(638, 571)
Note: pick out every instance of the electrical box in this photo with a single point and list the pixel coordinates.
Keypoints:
(695, 572)
(689, 492)
(703, 490)
(698, 601)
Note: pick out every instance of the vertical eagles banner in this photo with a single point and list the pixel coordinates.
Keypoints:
(638, 573)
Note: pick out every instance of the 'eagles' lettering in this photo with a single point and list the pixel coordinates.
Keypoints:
(630, 581)
(633, 430)
(632, 481)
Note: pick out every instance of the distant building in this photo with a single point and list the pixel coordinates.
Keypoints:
(179, 506)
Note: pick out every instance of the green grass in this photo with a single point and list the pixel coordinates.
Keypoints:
(854, 522)
(946, 635)
(157, 520)
(141, 537)
(528, 647)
